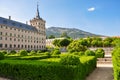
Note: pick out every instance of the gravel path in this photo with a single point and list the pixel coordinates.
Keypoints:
(102, 72)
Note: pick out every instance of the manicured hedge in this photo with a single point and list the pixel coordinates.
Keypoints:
(2, 56)
(88, 65)
(89, 53)
(70, 60)
(26, 57)
(116, 63)
(43, 70)
(99, 53)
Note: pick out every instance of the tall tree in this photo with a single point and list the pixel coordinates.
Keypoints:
(64, 42)
(75, 46)
(56, 42)
(51, 37)
(64, 34)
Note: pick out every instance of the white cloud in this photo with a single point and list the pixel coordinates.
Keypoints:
(91, 9)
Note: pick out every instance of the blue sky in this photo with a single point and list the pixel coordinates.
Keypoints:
(96, 16)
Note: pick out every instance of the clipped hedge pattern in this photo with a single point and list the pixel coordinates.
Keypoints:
(89, 53)
(116, 63)
(38, 70)
(70, 60)
(99, 53)
(2, 56)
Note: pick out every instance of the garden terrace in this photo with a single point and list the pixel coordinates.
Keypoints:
(19, 68)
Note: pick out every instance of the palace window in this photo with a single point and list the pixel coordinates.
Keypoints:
(15, 39)
(0, 38)
(39, 46)
(10, 34)
(10, 39)
(22, 36)
(18, 46)
(0, 33)
(1, 45)
(10, 45)
(22, 40)
(5, 45)
(6, 34)
(14, 46)
(22, 46)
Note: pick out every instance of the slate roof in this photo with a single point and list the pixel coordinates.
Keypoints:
(11, 23)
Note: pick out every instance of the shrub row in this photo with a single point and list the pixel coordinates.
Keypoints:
(88, 65)
(2, 56)
(99, 53)
(26, 57)
(38, 70)
(116, 63)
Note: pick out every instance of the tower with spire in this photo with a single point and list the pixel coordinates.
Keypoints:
(37, 14)
(39, 24)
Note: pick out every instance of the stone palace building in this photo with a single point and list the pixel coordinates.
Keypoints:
(16, 36)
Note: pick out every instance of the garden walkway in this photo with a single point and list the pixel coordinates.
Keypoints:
(104, 70)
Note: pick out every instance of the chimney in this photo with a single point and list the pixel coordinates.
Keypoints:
(9, 17)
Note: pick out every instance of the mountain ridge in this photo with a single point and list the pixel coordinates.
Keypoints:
(72, 32)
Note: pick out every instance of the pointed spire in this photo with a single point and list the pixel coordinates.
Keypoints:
(37, 14)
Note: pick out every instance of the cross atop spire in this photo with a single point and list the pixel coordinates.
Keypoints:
(37, 14)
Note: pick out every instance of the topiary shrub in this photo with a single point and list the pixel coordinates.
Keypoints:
(89, 53)
(76, 46)
(4, 51)
(56, 52)
(39, 51)
(33, 52)
(79, 53)
(70, 60)
(48, 54)
(99, 53)
(2, 56)
(23, 53)
(28, 51)
(13, 52)
(75, 53)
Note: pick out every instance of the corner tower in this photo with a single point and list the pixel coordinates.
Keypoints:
(39, 24)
